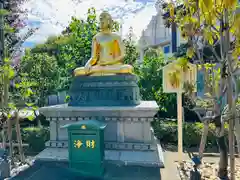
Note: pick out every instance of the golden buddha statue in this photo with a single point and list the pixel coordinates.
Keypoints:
(107, 52)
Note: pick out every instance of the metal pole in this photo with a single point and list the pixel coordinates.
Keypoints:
(174, 37)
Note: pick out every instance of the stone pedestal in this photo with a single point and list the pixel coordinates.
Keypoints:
(128, 135)
(118, 90)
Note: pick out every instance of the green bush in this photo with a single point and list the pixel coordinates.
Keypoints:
(166, 132)
(36, 138)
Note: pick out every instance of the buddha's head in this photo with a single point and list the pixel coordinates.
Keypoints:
(106, 21)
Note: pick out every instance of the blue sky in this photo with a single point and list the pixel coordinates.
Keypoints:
(51, 16)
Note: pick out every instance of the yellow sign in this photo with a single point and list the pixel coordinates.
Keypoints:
(90, 144)
(83, 127)
(174, 77)
(78, 144)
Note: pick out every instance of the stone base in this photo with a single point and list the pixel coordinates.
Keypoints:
(129, 158)
(126, 125)
(128, 136)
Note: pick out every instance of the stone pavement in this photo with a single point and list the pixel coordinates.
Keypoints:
(170, 171)
(43, 170)
(52, 163)
(58, 170)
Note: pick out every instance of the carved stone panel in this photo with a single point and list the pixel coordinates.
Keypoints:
(117, 90)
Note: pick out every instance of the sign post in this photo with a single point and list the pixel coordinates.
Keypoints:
(174, 77)
(180, 126)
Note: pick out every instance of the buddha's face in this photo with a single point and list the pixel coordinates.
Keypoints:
(105, 21)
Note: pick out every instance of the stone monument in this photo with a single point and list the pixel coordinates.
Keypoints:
(105, 89)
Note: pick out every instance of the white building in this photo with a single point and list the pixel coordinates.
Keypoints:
(156, 35)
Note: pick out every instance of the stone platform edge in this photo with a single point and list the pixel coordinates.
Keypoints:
(143, 112)
(143, 106)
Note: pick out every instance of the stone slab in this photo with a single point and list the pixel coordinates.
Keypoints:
(146, 109)
(135, 158)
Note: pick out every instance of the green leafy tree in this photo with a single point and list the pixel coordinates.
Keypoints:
(131, 53)
(213, 26)
(150, 83)
(14, 98)
(43, 70)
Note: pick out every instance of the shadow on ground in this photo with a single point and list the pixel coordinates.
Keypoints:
(59, 171)
(173, 148)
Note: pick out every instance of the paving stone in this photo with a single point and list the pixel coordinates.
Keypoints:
(59, 171)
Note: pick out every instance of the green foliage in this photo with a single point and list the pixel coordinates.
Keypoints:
(14, 96)
(166, 132)
(53, 44)
(82, 32)
(131, 53)
(150, 83)
(41, 69)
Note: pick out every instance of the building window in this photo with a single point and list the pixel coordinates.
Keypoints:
(166, 49)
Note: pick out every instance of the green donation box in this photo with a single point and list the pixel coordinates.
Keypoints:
(86, 147)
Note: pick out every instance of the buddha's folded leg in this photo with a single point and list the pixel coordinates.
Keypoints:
(105, 70)
(116, 69)
(126, 69)
(79, 71)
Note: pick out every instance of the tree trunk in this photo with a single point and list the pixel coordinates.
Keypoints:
(237, 138)
(223, 163)
(203, 139)
(9, 132)
(231, 111)
(19, 139)
(3, 137)
(231, 103)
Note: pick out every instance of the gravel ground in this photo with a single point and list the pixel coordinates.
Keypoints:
(207, 170)
(18, 167)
